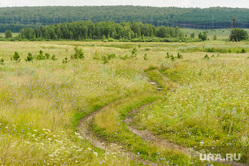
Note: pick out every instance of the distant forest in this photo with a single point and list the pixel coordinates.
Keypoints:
(17, 18)
(101, 30)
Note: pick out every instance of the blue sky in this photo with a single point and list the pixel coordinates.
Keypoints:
(160, 3)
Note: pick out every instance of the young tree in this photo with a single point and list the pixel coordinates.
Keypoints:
(215, 37)
(200, 36)
(8, 34)
(192, 35)
(204, 37)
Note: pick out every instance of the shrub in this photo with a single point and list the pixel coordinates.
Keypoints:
(105, 60)
(79, 54)
(145, 57)
(172, 57)
(29, 57)
(8, 34)
(243, 50)
(16, 57)
(206, 56)
(53, 58)
(134, 52)
(1, 61)
(40, 56)
(167, 55)
(179, 56)
(64, 61)
(47, 56)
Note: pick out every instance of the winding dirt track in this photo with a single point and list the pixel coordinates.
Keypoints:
(147, 135)
(84, 129)
(85, 124)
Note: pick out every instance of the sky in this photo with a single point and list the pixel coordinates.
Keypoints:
(159, 3)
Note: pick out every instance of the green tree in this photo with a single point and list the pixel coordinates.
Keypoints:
(16, 57)
(200, 36)
(192, 35)
(8, 34)
(215, 37)
(241, 33)
(203, 36)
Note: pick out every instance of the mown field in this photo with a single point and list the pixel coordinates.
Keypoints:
(186, 94)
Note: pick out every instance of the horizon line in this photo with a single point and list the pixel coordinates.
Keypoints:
(124, 6)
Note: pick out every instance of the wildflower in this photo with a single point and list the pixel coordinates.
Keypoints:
(202, 142)
(95, 153)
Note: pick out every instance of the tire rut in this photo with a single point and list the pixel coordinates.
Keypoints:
(84, 129)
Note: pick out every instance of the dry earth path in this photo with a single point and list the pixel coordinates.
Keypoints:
(85, 125)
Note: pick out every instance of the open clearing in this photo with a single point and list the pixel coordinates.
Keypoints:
(123, 103)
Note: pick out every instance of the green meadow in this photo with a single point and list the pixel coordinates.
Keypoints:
(188, 94)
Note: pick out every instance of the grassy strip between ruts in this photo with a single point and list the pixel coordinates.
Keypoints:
(109, 124)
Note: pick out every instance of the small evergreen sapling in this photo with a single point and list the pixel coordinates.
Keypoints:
(79, 54)
(1, 61)
(16, 57)
(54, 58)
(29, 57)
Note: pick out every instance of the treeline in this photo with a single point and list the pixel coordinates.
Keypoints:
(17, 18)
(100, 30)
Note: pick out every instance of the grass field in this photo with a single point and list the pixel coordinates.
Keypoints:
(222, 34)
(203, 101)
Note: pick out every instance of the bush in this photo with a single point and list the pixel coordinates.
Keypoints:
(167, 55)
(243, 50)
(105, 60)
(172, 57)
(206, 56)
(53, 58)
(47, 56)
(79, 54)
(1, 61)
(8, 34)
(64, 61)
(40, 56)
(179, 56)
(145, 57)
(29, 57)
(134, 52)
(16, 57)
